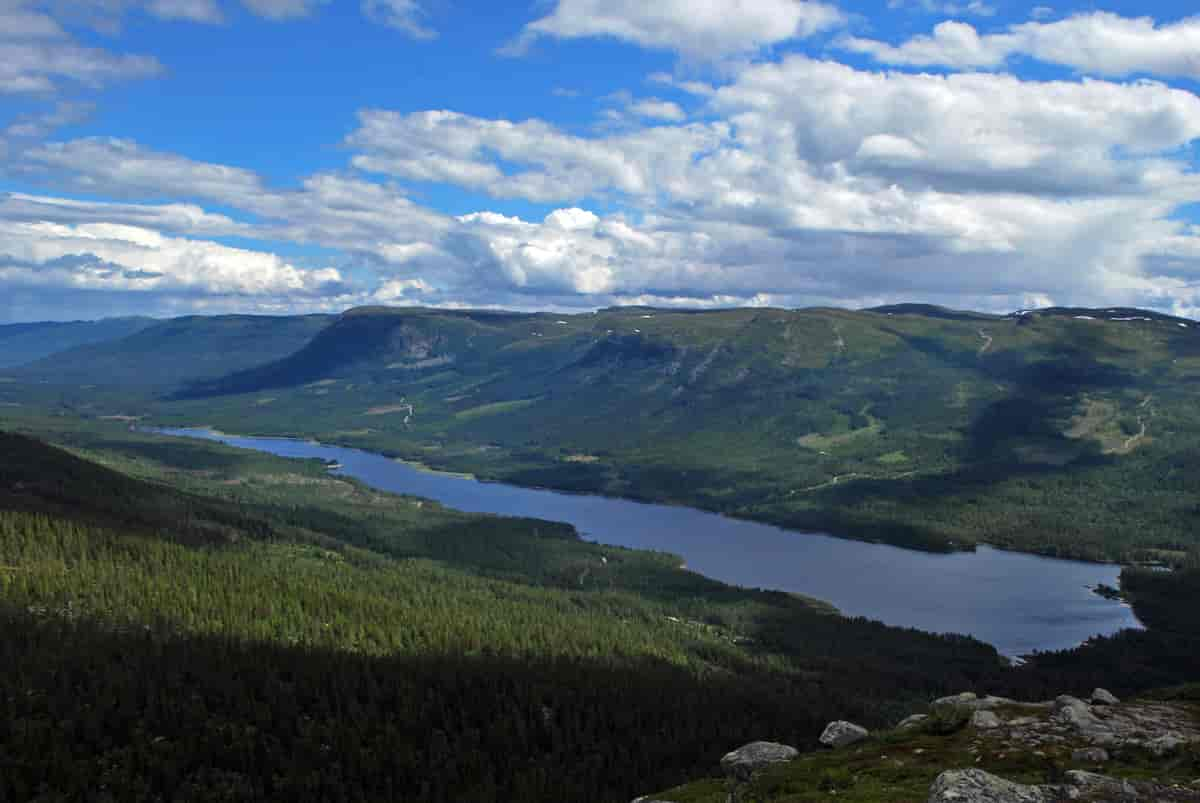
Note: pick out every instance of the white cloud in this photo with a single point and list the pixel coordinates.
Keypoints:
(444, 146)
(403, 15)
(805, 182)
(698, 28)
(283, 9)
(1099, 43)
(112, 257)
(657, 109)
(40, 125)
(973, 8)
(37, 55)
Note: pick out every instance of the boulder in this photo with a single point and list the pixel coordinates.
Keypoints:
(977, 786)
(1165, 745)
(1090, 755)
(974, 702)
(842, 733)
(966, 698)
(1104, 697)
(740, 764)
(985, 721)
(1101, 787)
(911, 722)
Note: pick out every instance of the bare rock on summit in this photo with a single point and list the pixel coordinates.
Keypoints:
(1104, 697)
(985, 721)
(842, 733)
(977, 786)
(911, 722)
(740, 764)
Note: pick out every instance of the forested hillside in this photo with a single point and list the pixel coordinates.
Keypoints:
(1062, 431)
(25, 342)
(186, 621)
(161, 356)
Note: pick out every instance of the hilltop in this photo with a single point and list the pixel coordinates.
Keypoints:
(22, 343)
(971, 749)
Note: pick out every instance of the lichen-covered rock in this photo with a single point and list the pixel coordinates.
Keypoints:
(1101, 787)
(966, 698)
(977, 786)
(740, 764)
(1104, 697)
(911, 722)
(842, 733)
(985, 721)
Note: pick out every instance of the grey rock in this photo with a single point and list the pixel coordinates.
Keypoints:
(911, 722)
(1067, 701)
(1100, 786)
(1090, 755)
(966, 698)
(740, 764)
(1165, 744)
(985, 721)
(842, 733)
(977, 786)
(1104, 697)
(974, 702)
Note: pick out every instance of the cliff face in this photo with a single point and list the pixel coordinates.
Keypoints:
(970, 749)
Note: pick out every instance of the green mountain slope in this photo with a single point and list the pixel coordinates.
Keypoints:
(1063, 431)
(331, 642)
(167, 353)
(21, 343)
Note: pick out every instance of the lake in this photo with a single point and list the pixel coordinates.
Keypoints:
(1019, 603)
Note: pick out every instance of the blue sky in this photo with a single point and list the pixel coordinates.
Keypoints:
(178, 156)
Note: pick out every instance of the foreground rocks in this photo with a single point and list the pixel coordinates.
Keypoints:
(843, 734)
(742, 763)
(977, 786)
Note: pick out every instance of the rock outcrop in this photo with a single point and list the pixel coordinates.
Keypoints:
(985, 721)
(742, 763)
(843, 734)
(977, 786)
(1104, 697)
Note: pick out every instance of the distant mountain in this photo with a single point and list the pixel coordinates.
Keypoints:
(22, 343)
(1062, 431)
(168, 353)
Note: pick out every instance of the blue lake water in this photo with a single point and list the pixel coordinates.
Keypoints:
(1019, 603)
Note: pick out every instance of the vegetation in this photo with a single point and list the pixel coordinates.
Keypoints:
(900, 766)
(21, 343)
(1064, 432)
(192, 622)
(163, 355)
(294, 633)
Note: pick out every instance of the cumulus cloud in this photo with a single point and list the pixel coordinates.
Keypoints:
(115, 257)
(797, 181)
(1099, 43)
(445, 146)
(697, 28)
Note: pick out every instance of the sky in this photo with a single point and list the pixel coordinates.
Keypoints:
(170, 157)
